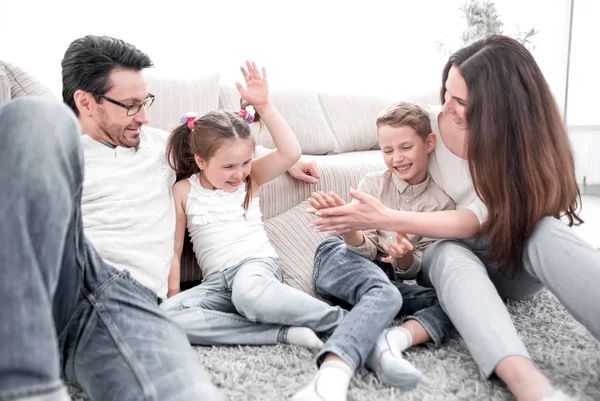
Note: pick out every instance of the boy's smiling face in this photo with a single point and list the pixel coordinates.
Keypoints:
(405, 153)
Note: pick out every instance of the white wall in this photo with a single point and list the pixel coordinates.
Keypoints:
(378, 47)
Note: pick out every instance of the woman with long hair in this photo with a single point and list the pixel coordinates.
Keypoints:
(503, 156)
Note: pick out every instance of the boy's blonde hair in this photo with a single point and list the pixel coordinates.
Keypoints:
(406, 114)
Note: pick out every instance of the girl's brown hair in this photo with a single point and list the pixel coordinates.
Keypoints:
(519, 153)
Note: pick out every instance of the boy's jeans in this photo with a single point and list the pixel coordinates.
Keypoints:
(248, 304)
(64, 313)
(348, 279)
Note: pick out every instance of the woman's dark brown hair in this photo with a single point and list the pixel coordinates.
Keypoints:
(520, 158)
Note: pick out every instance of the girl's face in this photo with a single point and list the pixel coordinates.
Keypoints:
(228, 167)
(456, 98)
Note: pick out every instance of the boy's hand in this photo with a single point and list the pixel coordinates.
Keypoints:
(321, 200)
(398, 248)
(257, 88)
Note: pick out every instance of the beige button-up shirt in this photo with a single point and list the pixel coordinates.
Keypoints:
(398, 194)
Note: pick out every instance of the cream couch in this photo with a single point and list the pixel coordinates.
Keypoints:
(337, 131)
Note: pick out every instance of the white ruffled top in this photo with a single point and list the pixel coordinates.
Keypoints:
(222, 232)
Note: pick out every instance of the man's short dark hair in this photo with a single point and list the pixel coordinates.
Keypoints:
(89, 61)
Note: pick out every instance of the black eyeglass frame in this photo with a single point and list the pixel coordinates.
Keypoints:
(128, 107)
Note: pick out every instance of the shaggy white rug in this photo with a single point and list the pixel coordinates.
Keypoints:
(563, 350)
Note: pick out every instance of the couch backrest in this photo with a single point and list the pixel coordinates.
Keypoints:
(323, 123)
(175, 97)
(16, 82)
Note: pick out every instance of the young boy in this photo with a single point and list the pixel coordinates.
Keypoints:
(364, 269)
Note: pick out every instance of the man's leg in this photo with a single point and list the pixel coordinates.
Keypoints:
(37, 190)
(125, 348)
(51, 270)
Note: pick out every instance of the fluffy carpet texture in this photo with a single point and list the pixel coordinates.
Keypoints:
(563, 350)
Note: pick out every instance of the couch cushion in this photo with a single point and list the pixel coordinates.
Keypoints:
(295, 242)
(24, 84)
(301, 110)
(352, 120)
(4, 85)
(175, 97)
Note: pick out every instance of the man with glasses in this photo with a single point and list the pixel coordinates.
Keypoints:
(65, 314)
(128, 211)
(79, 311)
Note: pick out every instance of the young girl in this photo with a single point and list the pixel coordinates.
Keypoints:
(242, 299)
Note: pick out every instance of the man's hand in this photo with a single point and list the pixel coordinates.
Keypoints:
(305, 170)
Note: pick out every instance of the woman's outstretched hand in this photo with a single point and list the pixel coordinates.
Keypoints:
(256, 92)
(365, 213)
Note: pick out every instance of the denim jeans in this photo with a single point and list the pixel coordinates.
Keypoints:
(472, 291)
(248, 304)
(346, 278)
(64, 314)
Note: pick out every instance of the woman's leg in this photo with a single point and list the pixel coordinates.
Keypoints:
(471, 300)
(569, 267)
(550, 252)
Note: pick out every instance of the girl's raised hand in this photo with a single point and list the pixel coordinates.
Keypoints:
(256, 92)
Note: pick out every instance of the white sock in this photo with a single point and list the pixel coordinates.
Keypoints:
(386, 360)
(399, 339)
(558, 396)
(304, 337)
(330, 383)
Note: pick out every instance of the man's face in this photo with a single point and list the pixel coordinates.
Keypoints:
(113, 124)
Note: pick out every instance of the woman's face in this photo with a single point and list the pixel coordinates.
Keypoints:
(456, 98)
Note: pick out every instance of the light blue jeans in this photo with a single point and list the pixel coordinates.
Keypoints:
(248, 304)
(64, 313)
(348, 279)
(472, 291)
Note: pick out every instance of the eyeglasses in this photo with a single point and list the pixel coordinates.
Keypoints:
(132, 109)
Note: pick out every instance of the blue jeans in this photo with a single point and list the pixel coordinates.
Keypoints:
(65, 314)
(248, 304)
(348, 279)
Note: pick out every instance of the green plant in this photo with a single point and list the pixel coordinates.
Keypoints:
(482, 19)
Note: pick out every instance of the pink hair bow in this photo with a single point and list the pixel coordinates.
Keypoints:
(189, 118)
(246, 116)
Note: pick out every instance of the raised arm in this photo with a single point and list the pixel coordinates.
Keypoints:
(287, 152)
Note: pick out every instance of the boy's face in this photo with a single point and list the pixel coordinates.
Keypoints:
(405, 153)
